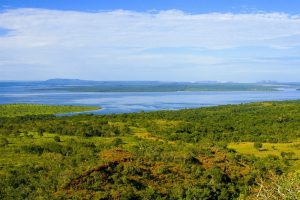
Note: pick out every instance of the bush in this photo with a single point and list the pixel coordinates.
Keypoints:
(34, 149)
(3, 142)
(279, 187)
(117, 142)
(257, 145)
(57, 139)
(40, 132)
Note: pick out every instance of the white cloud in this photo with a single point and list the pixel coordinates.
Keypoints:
(106, 39)
(36, 27)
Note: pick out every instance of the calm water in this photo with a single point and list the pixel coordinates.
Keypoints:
(135, 102)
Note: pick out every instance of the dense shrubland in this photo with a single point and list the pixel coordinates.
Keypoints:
(13, 110)
(159, 155)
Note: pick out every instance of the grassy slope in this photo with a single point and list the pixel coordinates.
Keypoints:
(13, 110)
(275, 149)
(147, 159)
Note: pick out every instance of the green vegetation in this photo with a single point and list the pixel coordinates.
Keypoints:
(258, 145)
(225, 152)
(289, 152)
(279, 187)
(13, 110)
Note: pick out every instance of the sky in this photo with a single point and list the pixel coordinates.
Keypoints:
(191, 40)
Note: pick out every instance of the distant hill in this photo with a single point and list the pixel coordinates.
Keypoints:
(90, 82)
(69, 82)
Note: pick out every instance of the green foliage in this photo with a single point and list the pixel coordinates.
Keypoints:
(158, 155)
(3, 142)
(40, 132)
(278, 187)
(287, 155)
(12, 110)
(117, 142)
(257, 145)
(56, 139)
(256, 122)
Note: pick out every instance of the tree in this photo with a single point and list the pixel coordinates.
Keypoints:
(57, 139)
(117, 142)
(3, 142)
(126, 130)
(17, 133)
(40, 132)
(257, 145)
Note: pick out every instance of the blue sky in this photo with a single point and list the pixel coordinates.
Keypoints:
(190, 6)
(237, 40)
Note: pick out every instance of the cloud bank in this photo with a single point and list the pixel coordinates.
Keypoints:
(150, 45)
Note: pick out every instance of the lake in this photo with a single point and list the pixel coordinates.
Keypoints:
(127, 102)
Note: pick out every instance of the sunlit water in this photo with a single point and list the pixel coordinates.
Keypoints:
(126, 102)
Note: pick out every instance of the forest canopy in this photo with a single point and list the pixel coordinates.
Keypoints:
(223, 152)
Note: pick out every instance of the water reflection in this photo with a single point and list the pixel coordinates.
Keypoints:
(126, 102)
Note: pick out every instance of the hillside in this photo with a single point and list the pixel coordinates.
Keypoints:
(224, 152)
